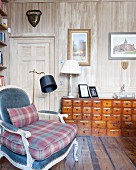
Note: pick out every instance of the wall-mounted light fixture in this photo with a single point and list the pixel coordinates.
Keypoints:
(124, 64)
(34, 17)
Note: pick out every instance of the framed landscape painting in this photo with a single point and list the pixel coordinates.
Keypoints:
(79, 46)
(122, 46)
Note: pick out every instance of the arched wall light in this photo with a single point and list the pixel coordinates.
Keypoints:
(34, 17)
(124, 64)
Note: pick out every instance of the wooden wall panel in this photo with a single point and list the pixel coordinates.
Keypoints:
(102, 17)
(20, 24)
(114, 17)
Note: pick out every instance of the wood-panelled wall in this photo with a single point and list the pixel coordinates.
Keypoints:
(102, 17)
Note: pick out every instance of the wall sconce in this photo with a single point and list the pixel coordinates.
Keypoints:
(34, 17)
(124, 64)
(47, 83)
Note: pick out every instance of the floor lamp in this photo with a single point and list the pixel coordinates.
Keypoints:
(70, 67)
(47, 83)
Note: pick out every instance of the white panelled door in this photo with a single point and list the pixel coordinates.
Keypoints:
(26, 55)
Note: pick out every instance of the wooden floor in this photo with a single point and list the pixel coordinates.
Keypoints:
(96, 153)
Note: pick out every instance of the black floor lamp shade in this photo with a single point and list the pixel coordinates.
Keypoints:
(48, 84)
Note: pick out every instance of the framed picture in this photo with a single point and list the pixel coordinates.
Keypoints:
(83, 91)
(93, 91)
(79, 46)
(1, 59)
(122, 46)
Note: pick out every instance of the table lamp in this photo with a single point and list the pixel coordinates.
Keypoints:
(70, 67)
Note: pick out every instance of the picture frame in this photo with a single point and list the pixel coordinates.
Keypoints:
(93, 91)
(83, 91)
(1, 59)
(122, 45)
(79, 46)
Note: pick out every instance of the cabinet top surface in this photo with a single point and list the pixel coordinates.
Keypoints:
(65, 98)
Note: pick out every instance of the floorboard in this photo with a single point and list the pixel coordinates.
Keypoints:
(96, 153)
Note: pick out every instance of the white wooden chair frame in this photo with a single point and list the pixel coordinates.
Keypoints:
(26, 134)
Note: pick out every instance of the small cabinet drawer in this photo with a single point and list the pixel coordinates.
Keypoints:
(87, 103)
(134, 103)
(84, 131)
(66, 102)
(117, 103)
(107, 103)
(77, 116)
(87, 109)
(96, 110)
(114, 132)
(127, 111)
(133, 117)
(126, 118)
(128, 125)
(98, 132)
(134, 111)
(116, 117)
(76, 109)
(127, 103)
(96, 117)
(128, 132)
(69, 116)
(113, 125)
(117, 110)
(87, 116)
(97, 103)
(84, 123)
(66, 109)
(77, 103)
(99, 124)
(106, 117)
(107, 110)
(71, 121)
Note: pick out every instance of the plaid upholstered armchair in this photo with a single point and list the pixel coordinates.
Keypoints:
(28, 142)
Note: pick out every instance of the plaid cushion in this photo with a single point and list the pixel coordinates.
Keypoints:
(47, 138)
(23, 116)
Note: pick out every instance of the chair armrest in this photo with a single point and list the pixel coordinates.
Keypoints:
(13, 129)
(24, 135)
(48, 112)
(8, 126)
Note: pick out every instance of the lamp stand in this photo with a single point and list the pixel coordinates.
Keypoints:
(70, 87)
(33, 71)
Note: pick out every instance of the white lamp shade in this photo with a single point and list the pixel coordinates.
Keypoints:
(71, 67)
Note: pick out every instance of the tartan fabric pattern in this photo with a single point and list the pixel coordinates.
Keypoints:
(23, 116)
(47, 137)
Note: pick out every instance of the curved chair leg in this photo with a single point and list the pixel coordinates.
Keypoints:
(75, 150)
